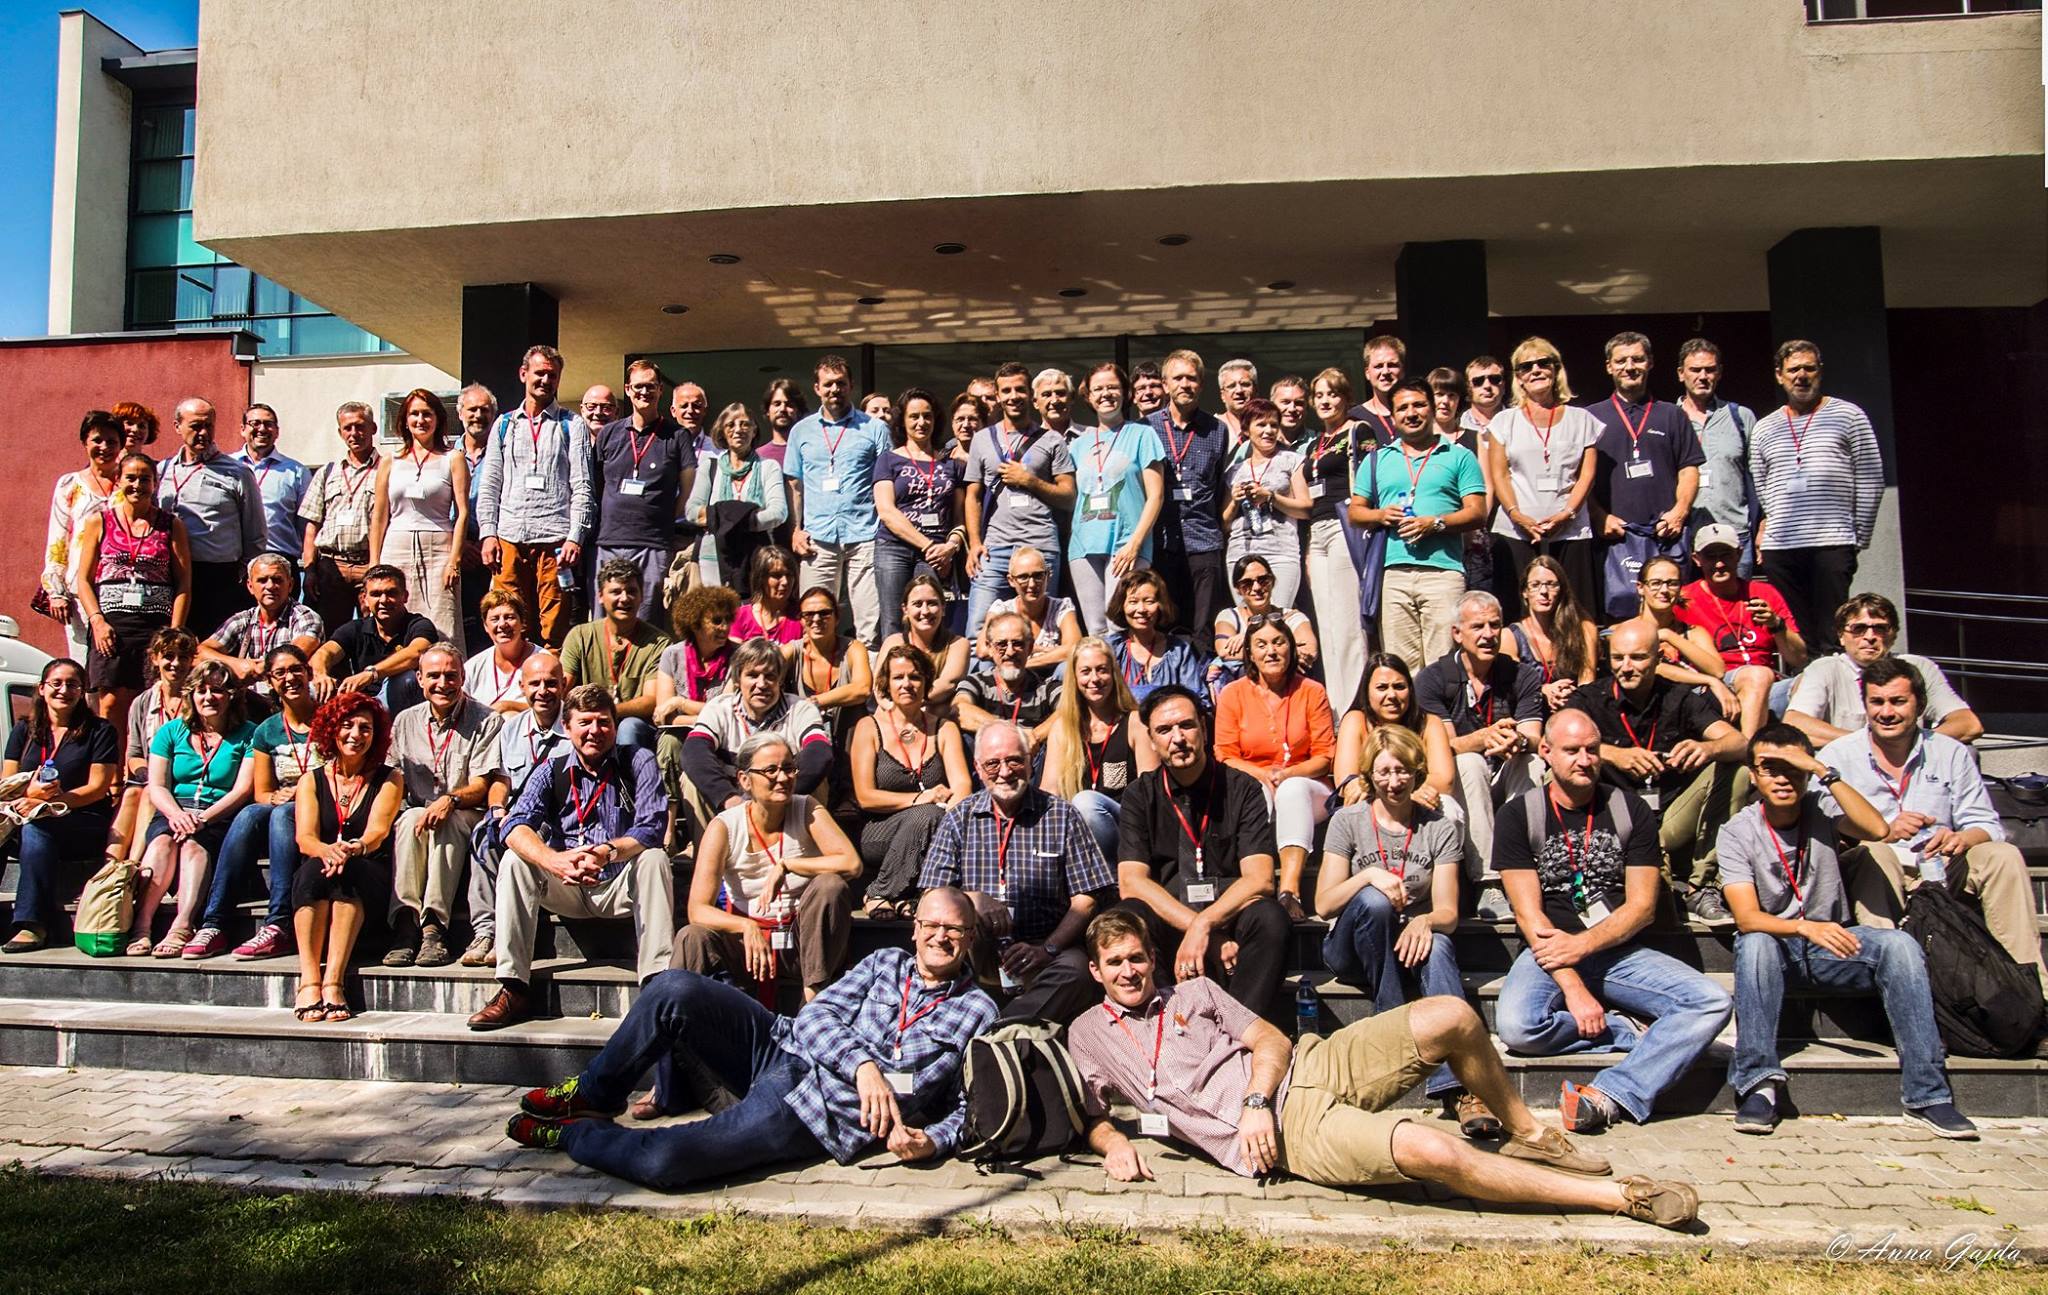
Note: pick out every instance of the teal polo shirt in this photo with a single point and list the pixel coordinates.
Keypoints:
(1439, 486)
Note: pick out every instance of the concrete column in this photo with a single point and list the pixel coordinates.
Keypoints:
(1827, 286)
(1440, 293)
(89, 180)
(499, 321)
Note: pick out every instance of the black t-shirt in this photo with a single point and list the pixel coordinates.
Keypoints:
(362, 646)
(1514, 690)
(1670, 715)
(91, 741)
(1567, 852)
(1332, 463)
(1225, 807)
(1029, 704)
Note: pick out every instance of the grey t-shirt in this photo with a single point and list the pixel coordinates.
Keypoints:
(1752, 851)
(1012, 517)
(1436, 843)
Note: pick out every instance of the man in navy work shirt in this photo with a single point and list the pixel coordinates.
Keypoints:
(1035, 872)
(874, 1060)
(584, 840)
(1188, 544)
(641, 459)
(1649, 467)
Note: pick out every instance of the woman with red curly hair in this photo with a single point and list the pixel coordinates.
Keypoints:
(346, 809)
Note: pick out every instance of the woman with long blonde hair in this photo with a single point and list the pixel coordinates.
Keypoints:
(1096, 746)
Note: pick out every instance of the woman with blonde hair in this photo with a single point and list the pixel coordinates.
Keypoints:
(1096, 746)
(1541, 458)
(419, 512)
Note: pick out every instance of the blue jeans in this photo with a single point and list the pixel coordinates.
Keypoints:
(256, 831)
(732, 1036)
(895, 565)
(48, 847)
(635, 731)
(1101, 814)
(1359, 950)
(993, 582)
(1888, 962)
(1686, 1011)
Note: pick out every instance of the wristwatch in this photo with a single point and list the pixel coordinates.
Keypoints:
(1436, 525)
(1830, 778)
(1257, 1102)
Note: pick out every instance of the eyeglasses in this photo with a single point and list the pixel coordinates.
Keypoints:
(1663, 584)
(1484, 380)
(1859, 628)
(259, 422)
(1029, 577)
(645, 388)
(999, 763)
(817, 614)
(1008, 645)
(953, 929)
(784, 770)
(1530, 366)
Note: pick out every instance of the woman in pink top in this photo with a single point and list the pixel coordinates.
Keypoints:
(771, 576)
(79, 495)
(133, 577)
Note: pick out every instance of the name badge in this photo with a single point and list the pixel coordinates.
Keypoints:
(1706, 477)
(782, 939)
(1641, 468)
(927, 521)
(1001, 891)
(416, 489)
(900, 1081)
(1318, 488)
(830, 485)
(1201, 892)
(535, 481)
(1549, 485)
(1097, 503)
(1597, 912)
(123, 598)
(1151, 1124)
(1183, 494)
(632, 486)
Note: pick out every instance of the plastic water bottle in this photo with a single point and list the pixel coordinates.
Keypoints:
(1308, 1009)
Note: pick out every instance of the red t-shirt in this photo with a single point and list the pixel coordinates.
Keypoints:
(1737, 636)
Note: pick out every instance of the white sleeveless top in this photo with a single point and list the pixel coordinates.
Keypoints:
(747, 864)
(421, 495)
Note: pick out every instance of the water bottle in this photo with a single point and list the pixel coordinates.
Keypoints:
(1308, 1009)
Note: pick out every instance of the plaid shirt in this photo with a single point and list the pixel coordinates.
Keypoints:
(244, 634)
(338, 504)
(855, 1021)
(1050, 858)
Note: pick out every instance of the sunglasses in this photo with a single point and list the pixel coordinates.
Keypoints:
(817, 614)
(1255, 582)
(1859, 628)
(1008, 645)
(1485, 379)
(1530, 366)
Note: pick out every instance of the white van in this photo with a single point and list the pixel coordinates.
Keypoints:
(21, 666)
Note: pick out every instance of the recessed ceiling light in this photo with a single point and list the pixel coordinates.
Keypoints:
(675, 310)
(724, 258)
(1174, 240)
(950, 249)
(1073, 292)
(1281, 285)
(869, 301)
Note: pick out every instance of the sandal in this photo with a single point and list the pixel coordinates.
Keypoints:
(337, 1006)
(309, 1012)
(882, 910)
(173, 945)
(139, 945)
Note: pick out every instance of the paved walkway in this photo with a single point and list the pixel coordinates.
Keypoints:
(1820, 1186)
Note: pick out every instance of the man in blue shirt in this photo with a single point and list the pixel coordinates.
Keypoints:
(874, 1060)
(1189, 543)
(280, 482)
(830, 470)
(1649, 469)
(1425, 490)
(586, 836)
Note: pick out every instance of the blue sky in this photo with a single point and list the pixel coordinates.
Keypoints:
(28, 103)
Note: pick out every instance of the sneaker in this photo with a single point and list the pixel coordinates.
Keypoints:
(1493, 905)
(482, 952)
(1706, 906)
(1585, 1110)
(1758, 1112)
(206, 942)
(541, 1135)
(270, 941)
(1475, 1121)
(562, 1102)
(405, 939)
(1666, 1204)
(1554, 1150)
(1943, 1120)
(434, 950)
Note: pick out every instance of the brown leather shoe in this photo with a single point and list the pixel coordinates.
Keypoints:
(1666, 1204)
(507, 1007)
(1475, 1121)
(1555, 1150)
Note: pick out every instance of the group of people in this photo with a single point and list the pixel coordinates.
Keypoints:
(1105, 709)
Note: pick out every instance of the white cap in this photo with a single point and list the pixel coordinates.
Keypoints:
(1716, 535)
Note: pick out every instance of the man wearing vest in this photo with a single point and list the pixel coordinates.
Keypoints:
(1580, 865)
(1781, 871)
(586, 835)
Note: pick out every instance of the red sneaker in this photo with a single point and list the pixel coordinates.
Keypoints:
(270, 941)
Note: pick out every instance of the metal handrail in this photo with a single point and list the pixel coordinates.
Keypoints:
(1965, 593)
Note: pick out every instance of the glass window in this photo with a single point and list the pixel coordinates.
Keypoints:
(743, 376)
(163, 132)
(944, 368)
(153, 298)
(164, 186)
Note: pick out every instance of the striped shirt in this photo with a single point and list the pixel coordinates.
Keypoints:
(1821, 486)
(1047, 858)
(537, 479)
(862, 1017)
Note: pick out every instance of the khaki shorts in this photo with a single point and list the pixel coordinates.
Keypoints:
(1334, 1126)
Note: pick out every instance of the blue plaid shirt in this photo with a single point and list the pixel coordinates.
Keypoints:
(855, 1021)
(1051, 857)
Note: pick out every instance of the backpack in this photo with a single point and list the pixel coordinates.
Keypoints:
(106, 909)
(2022, 805)
(1536, 808)
(1023, 1095)
(1985, 1004)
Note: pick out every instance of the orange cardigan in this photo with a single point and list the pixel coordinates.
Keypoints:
(1252, 727)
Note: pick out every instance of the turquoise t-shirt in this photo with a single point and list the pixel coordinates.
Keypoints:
(1109, 487)
(1449, 474)
(198, 783)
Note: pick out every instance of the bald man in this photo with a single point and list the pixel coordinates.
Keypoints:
(1579, 862)
(1669, 744)
(222, 507)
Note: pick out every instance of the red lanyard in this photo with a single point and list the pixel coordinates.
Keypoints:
(1585, 841)
(1009, 451)
(1194, 835)
(419, 465)
(930, 475)
(639, 450)
(586, 807)
(774, 852)
(1158, 1044)
(1548, 667)
(1897, 789)
(1621, 710)
(535, 740)
(263, 635)
(1178, 452)
(502, 684)
(1101, 450)
(349, 485)
(48, 753)
(1798, 430)
(905, 1018)
(1744, 637)
(1543, 432)
(178, 482)
(1131, 650)
(924, 746)
(1415, 473)
(533, 424)
(1399, 870)
(262, 471)
(301, 751)
(1005, 824)
(1095, 764)
(1792, 865)
(440, 749)
(1635, 430)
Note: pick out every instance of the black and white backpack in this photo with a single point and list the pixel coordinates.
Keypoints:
(1023, 1095)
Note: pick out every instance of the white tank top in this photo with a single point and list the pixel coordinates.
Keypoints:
(421, 495)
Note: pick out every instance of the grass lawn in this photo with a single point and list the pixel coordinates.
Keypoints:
(68, 1234)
